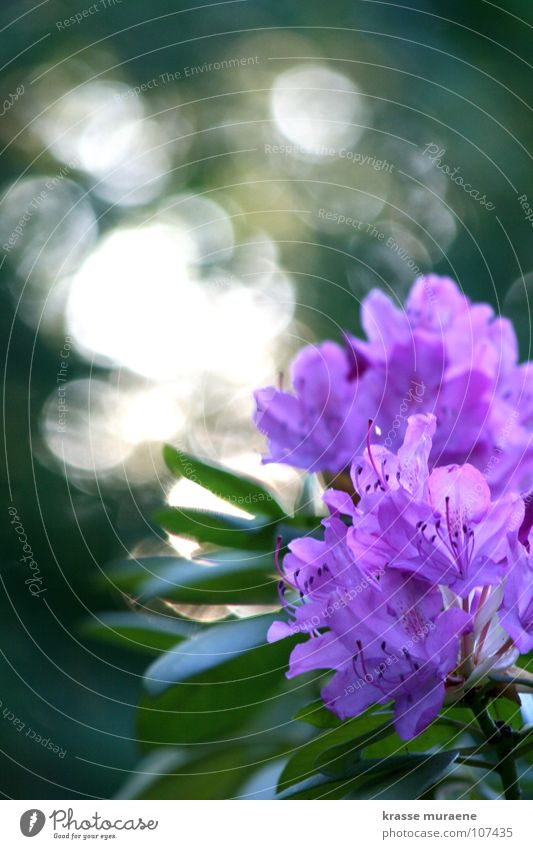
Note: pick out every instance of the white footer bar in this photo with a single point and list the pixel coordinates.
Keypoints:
(249, 825)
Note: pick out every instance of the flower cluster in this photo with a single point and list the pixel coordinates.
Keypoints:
(421, 587)
(441, 355)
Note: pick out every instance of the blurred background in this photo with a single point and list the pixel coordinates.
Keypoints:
(189, 195)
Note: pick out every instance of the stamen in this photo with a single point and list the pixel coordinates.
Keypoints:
(443, 538)
(448, 521)
(289, 608)
(279, 569)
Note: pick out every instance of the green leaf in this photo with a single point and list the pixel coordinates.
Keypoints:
(140, 632)
(438, 734)
(184, 774)
(240, 490)
(224, 700)
(131, 575)
(302, 764)
(318, 715)
(229, 577)
(317, 787)
(525, 744)
(506, 711)
(404, 777)
(212, 647)
(209, 527)
(525, 661)
(338, 761)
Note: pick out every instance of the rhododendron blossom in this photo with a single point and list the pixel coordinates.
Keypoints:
(420, 587)
(440, 354)
(403, 603)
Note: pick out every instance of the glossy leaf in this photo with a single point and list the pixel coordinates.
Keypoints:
(206, 526)
(221, 703)
(182, 773)
(416, 776)
(239, 490)
(405, 777)
(318, 715)
(302, 764)
(337, 761)
(215, 645)
(139, 632)
(229, 577)
(438, 734)
(131, 575)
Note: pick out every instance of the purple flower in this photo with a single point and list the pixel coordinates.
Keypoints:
(421, 585)
(387, 639)
(441, 355)
(441, 525)
(516, 613)
(403, 598)
(316, 428)
(405, 648)
(490, 648)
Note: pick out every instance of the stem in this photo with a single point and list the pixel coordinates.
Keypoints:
(508, 774)
(504, 746)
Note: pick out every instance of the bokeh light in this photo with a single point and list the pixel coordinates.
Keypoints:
(316, 107)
